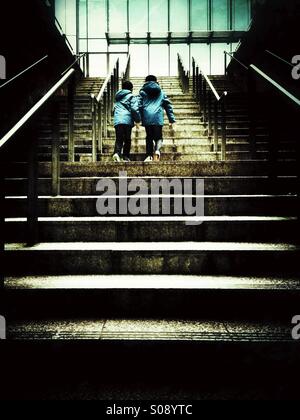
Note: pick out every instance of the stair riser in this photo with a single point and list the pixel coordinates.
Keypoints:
(193, 169)
(160, 304)
(219, 206)
(87, 186)
(93, 231)
(181, 262)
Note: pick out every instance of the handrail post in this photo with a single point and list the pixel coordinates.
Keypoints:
(194, 78)
(216, 126)
(204, 98)
(100, 128)
(298, 182)
(105, 114)
(94, 129)
(209, 113)
(108, 102)
(2, 223)
(225, 63)
(32, 198)
(223, 117)
(71, 145)
(252, 114)
(198, 90)
(56, 148)
(118, 76)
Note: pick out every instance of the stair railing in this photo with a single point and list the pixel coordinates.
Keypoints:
(17, 76)
(184, 76)
(212, 107)
(52, 100)
(102, 108)
(126, 74)
(283, 60)
(255, 74)
(252, 101)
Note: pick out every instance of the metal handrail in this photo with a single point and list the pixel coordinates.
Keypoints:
(73, 64)
(279, 87)
(102, 107)
(208, 81)
(279, 58)
(35, 109)
(235, 59)
(212, 106)
(104, 86)
(32, 194)
(126, 74)
(24, 71)
(183, 75)
(64, 36)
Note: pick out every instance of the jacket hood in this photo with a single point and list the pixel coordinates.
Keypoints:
(122, 94)
(152, 89)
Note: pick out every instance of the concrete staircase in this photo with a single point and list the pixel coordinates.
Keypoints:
(187, 302)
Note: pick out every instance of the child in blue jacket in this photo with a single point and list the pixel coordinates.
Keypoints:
(126, 113)
(153, 102)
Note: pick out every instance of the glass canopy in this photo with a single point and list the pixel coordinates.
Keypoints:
(153, 32)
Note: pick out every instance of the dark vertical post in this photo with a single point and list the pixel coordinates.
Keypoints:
(100, 129)
(118, 75)
(94, 129)
(225, 63)
(108, 102)
(197, 85)
(216, 126)
(295, 118)
(2, 222)
(87, 65)
(204, 98)
(32, 197)
(209, 113)
(71, 96)
(252, 103)
(105, 114)
(56, 148)
(223, 116)
(77, 25)
(274, 114)
(194, 78)
(200, 88)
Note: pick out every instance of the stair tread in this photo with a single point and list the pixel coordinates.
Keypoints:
(142, 282)
(150, 330)
(158, 218)
(154, 247)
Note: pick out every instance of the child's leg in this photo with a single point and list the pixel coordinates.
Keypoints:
(149, 141)
(158, 137)
(119, 139)
(127, 143)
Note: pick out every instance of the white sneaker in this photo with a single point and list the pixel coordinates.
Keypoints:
(156, 156)
(116, 158)
(149, 159)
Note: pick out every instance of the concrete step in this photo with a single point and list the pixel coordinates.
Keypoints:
(212, 185)
(80, 206)
(200, 156)
(177, 169)
(156, 297)
(126, 229)
(152, 258)
(150, 330)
